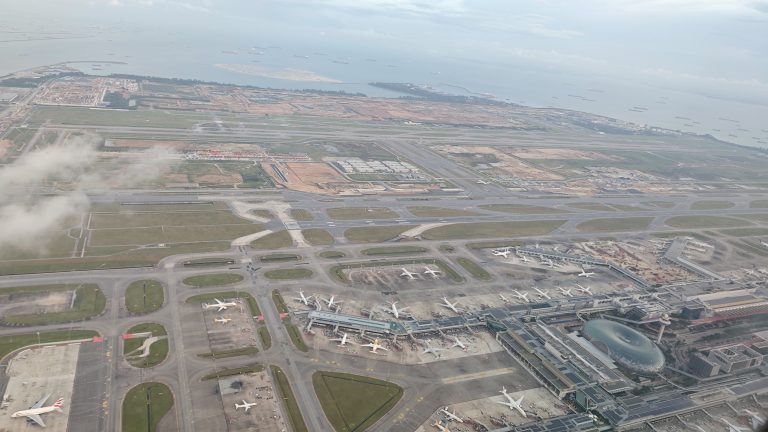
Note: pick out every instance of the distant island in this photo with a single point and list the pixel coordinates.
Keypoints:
(283, 74)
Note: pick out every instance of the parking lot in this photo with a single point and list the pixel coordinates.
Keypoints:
(257, 388)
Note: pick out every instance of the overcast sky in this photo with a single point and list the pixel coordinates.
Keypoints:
(712, 47)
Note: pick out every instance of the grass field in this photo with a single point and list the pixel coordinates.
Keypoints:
(279, 257)
(494, 244)
(615, 224)
(252, 304)
(760, 217)
(660, 204)
(317, 237)
(87, 116)
(360, 213)
(235, 352)
(208, 262)
(591, 206)
(301, 215)
(491, 229)
(522, 209)
(474, 269)
(11, 343)
(711, 205)
(213, 279)
(428, 211)
(145, 405)
(295, 335)
(291, 406)
(144, 296)
(279, 302)
(354, 403)
(394, 250)
(89, 302)
(338, 273)
(264, 337)
(628, 208)
(745, 232)
(285, 274)
(759, 204)
(332, 254)
(689, 222)
(158, 351)
(275, 240)
(223, 373)
(375, 234)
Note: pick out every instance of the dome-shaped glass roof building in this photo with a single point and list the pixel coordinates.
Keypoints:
(625, 345)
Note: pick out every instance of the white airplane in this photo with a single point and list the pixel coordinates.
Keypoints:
(585, 273)
(549, 262)
(33, 413)
(511, 403)
(222, 320)
(502, 253)
(440, 426)
(522, 296)
(342, 340)
(431, 350)
(375, 345)
(434, 273)
(303, 299)
(504, 298)
(585, 290)
(543, 293)
(482, 182)
(750, 272)
(220, 305)
(245, 405)
(732, 427)
(395, 311)
(565, 292)
(524, 258)
(458, 343)
(449, 305)
(332, 301)
(452, 415)
(757, 420)
(407, 274)
(765, 244)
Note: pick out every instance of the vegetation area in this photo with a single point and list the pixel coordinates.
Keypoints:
(394, 250)
(208, 262)
(331, 254)
(759, 204)
(352, 402)
(89, 302)
(252, 304)
(494, 244)
(660, 204)
(11, 343)
(358, 213)
(213, 279)
(492, 229)
(285, 274)
(711, 205)
(338, 271)
(158, 351)
(265, 337)
(428, 211)
(295, 335)
(375, 234)
(301, 215)
(145, 405)
(223, 373)
(235, 352)
(317, 237)
(279, 302)
(592, 206)
(291, 406)
(615, 224)
(690, 222)
(98, 117)
(745, 232)
(144, 296)
(278, 257)
(474, 268)
(522, 209)
(275, 240)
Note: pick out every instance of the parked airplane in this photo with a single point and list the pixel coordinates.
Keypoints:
(565, 292)
(375, 345)
(750, 272)
(222, 320)
(549, 262)
(342, 340)
(511, 403)
(585, 273)
(524, 258)
(33, 413)
(522, 296)
(757, 420)
(765, 244)
(440, 426)
(245, 405)
(585, 290)
(332, 301)
(220, 305)
(482, 182)
(732, 427)
(303, 299)
(543, 294)
(434, 273)
(502, 253)
(452, 415)
(395, 311)
(458, 343)
(504, 298)
(431, 350)
(407, 274)
(449, 305)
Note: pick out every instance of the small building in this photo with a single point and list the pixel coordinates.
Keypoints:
(702, 366)
(734, 358)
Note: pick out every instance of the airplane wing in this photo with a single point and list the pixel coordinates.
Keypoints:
(39, 404)
(37, 419)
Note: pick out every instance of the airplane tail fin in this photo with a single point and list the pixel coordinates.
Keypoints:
(59, 404)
